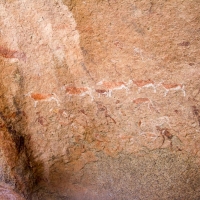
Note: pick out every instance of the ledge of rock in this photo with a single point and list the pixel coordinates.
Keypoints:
(99, 99)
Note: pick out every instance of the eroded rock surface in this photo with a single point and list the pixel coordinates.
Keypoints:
(100, 99)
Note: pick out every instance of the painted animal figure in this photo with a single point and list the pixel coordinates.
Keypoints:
(139, 101)
(111, 86)
(81, 91)
(43, 97)
(173, 87)
(145, 84)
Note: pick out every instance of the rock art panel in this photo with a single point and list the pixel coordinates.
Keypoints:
(99, 99)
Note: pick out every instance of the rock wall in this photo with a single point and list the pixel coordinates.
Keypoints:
(100, 99)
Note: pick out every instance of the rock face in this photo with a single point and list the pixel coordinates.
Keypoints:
(99, 99)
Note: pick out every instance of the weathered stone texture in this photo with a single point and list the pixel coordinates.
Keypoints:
(100, 99)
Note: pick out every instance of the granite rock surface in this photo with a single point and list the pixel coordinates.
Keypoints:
(100, 100)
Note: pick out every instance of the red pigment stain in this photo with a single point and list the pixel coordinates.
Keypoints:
(140, 100)
(112, 84)
(101, 91)
(7, 53)
(117, 44)
(185, 44)
(87, 29)
(75, 90)
(170, 86)
(141, 83)
(62, 26)
(39, 96)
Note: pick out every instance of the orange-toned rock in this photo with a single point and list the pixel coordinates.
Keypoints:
(89, 156)
(78, 165)
(100, 99)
